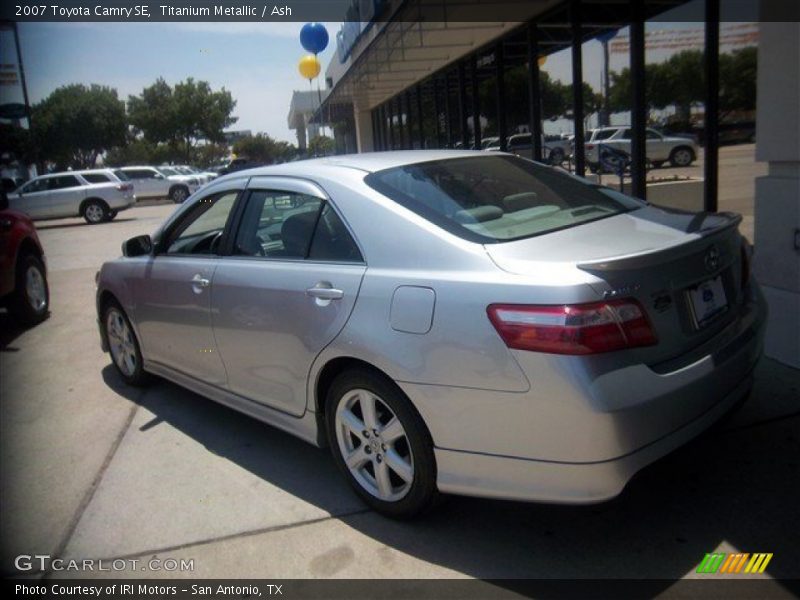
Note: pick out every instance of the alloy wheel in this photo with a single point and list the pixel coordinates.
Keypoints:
(374, 445)
(121, 342)
(35, 289)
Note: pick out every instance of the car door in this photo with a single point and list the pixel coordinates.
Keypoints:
(657, 148)
(66, 195)
(283, 291)
(173, 293)
(33, 199)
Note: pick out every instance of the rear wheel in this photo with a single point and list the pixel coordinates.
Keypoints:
(178, 194)
(123, 345)
(381, 444)
(95, 211)
(30, 301)
(681, 157)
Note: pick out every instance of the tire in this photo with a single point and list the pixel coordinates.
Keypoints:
(657, 164)
(681, 156)
(112, 214)
(394, 471)
(556, 157)
(126, 354)
(95, 211)
(178, 194)
(30, 302)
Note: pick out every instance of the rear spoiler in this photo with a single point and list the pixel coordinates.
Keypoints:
(701, 225)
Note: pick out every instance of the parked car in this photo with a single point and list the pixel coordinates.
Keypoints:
(97, 195)
(202, 176)
(554, 149)
(447, 321)
(192, 182)
(23, 275)
(678, 151)
(152, 182)
(239, 164)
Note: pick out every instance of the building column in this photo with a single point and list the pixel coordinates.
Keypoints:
(363, 121)
(777, 197)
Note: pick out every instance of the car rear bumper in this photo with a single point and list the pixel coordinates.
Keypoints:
(503, 477)
(577, 436)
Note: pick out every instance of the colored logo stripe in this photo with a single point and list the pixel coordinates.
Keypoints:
(733, 563)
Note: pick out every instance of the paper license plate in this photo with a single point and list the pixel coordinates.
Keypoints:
(708, 301)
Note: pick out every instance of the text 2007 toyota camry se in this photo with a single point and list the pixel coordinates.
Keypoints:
(445, 321)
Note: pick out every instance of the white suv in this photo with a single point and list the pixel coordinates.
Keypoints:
(161, 182)
(97, 195)
(679, 151)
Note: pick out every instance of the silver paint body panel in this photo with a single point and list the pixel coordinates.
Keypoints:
(505, 423)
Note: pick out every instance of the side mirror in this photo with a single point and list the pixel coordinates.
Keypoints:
(141, 245)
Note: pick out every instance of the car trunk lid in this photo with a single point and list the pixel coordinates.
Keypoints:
(683, 268)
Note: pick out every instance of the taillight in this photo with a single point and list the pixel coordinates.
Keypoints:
(124, 187)
(746, 253)
(573, 329)
(590, 146)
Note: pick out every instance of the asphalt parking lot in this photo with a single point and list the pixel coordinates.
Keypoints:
(92, 469)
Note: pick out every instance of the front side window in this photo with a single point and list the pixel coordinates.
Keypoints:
(602, 134)
(497, 198)
(37, 185)
(201, 229)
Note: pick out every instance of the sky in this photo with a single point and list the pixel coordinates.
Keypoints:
(256, 62)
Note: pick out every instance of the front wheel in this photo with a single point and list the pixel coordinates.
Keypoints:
(123, 345)
(381, 444)
(30, 301)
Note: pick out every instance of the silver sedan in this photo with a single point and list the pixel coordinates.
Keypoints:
(447, 322)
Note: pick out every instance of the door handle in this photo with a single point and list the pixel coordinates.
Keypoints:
(325, 291)
(200, 281)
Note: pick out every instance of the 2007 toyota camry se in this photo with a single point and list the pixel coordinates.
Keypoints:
(446, 321)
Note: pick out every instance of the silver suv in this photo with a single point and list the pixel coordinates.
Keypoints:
(161, 182)
(97, 195)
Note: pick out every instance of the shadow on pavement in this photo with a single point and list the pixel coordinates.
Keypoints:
(45, 225)
(738, 487)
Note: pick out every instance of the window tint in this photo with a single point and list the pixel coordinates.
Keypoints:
(200, 231)
(626, 134)
(121, 175)
(332, 241)
(652, 134)
(140, 173)
(96, 177)
(37, 185)
(497, 198)
(602, 134)
(63, 181)
(277, 224)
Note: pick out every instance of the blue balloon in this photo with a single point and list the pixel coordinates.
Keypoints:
(314, 37)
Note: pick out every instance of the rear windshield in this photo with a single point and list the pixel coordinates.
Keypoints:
(497, 198)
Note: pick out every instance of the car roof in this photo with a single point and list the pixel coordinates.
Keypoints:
(367, 161)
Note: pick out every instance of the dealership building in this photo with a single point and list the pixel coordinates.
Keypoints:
(415, 74)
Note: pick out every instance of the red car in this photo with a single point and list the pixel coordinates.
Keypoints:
(23, 276)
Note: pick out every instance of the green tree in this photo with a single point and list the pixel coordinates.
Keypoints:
(737, 81)
(259, 147)
(75, 124)
(183, 115)
(321, 145)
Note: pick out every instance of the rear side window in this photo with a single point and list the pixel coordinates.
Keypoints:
(121, 175)
(603, 134)
(140, 173)
(289, 225)
(96, 177)
(497, 198)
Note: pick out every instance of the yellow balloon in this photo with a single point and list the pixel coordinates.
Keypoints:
(309, 66)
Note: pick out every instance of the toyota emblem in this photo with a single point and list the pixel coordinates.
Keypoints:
(712, 259)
